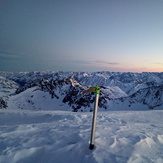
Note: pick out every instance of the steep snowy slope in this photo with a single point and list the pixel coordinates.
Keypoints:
(60, 92)
(151, 96)
(146, 98)
(66, 97)
(7, 87)
(35, 99)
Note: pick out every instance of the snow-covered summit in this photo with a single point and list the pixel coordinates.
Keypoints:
(63, 137)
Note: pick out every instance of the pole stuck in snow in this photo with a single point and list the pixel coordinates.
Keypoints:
(96, 90)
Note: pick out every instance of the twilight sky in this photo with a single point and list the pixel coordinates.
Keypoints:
(81, 35)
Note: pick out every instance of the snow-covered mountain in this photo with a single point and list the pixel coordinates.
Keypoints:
(7, 86)
(42, 90)
(121, 136)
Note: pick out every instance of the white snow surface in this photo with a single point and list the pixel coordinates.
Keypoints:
(28, 136)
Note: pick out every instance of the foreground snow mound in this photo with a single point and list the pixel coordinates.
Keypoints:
(63, 137)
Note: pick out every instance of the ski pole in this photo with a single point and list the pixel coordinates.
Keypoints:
(96, 90)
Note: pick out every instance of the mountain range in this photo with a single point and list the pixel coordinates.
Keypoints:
(51, 89)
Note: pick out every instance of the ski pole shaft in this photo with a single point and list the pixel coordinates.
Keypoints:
(94, 122)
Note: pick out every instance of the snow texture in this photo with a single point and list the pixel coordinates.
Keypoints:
(63, 137)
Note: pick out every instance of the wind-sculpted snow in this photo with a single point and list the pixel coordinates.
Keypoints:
(61, 137)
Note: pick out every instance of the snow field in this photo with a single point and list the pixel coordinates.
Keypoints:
(63, 137)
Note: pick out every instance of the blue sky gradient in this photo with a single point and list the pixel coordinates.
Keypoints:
(81, 35)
